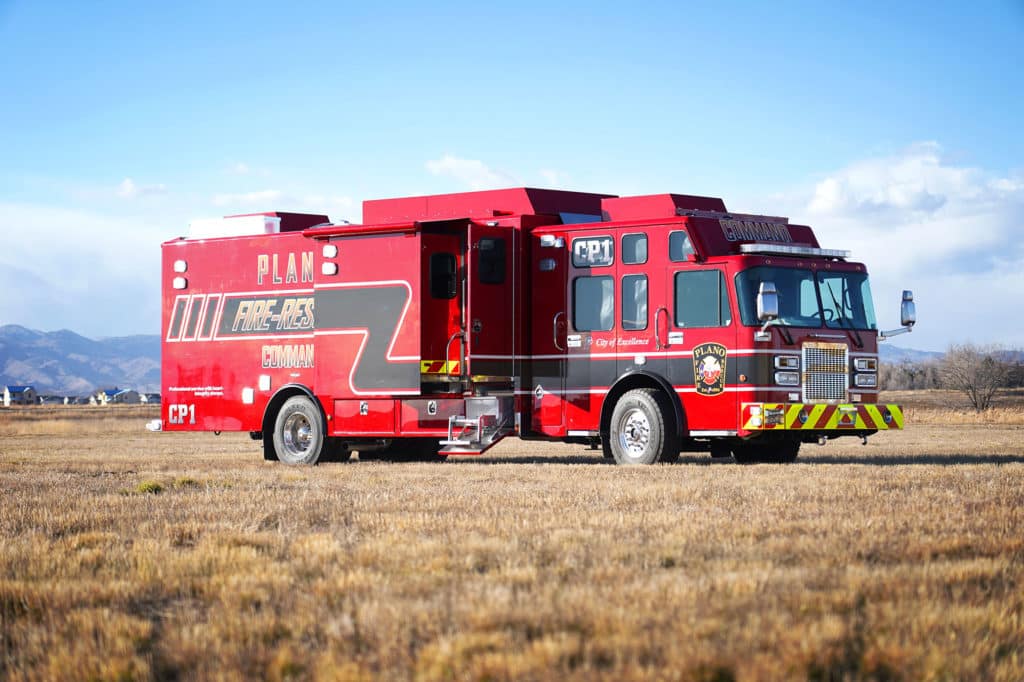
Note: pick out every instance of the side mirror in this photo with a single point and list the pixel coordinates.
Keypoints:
(768, 302)
(908, 313)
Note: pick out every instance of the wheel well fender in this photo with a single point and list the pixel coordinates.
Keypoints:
(274, 405)
(641, 379)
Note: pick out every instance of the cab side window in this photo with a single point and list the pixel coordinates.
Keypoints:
(634, 249)
(634, 302)
(679, 246)
(701, 299)
(593, 304)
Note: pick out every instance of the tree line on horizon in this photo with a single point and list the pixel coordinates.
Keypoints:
(977, 371)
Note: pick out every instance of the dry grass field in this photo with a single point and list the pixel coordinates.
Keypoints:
(131, 555)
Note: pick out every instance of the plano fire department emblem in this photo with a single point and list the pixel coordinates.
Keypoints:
(709, 368)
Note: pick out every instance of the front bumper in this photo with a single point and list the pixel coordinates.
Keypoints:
(817, 417)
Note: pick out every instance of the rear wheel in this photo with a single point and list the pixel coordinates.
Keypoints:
(642, 429)
(777, 452)
(298, 432)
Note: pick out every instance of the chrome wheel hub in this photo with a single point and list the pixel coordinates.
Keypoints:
(634, 432)
(298, 434)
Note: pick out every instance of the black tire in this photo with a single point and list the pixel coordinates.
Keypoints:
(298, 432)
(407, 450)
(772, 452)
(642, 429)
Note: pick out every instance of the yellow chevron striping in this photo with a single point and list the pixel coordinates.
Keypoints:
(897, 416)
(872, 420)
(876, 416)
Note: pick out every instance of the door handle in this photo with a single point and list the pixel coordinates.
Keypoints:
(554, 329)
(657, 329)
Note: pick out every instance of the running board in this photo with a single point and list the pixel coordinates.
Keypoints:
(487, 420)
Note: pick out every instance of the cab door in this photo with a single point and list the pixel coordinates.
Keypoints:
(545, 362)
(701, 339)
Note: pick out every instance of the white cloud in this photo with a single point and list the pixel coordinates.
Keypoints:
(470, 172)
(95, 273)
(128, 189)
(950, 232)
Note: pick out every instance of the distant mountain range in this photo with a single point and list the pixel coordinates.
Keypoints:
(890, 353)
(66, 363)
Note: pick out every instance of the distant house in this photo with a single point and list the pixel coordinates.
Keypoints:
(20, 395)
(52, 400)
(102, 396)
(151, 398)
(125, 396)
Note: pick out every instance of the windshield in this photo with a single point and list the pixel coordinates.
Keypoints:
(838, 300)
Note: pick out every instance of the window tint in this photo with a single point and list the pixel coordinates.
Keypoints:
(845, 297)
(634, 302)
(492, 261)
(846, 300)
(593, 304)
(798, 300)
(679, 246)
(634, 249)
(443, 275)
(701, 299)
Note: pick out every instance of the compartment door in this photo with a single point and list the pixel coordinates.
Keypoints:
(443, 287)
(492, 319)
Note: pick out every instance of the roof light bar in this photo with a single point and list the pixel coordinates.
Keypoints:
(785, 250)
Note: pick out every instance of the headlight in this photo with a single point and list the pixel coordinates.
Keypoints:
(866, 364)
(787, 362)
(865, 380)
(787, 378)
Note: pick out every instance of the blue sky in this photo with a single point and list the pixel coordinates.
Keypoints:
(894, 131)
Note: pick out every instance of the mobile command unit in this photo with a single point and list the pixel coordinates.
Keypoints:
(648, 325)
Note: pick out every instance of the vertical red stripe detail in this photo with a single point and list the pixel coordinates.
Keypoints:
(863, 413)
(825, 416)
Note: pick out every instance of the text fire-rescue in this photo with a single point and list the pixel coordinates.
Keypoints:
(267, 264)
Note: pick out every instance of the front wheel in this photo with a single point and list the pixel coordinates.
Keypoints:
(642, 428)
(298, 432)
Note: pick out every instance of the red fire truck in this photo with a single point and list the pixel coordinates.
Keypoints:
(649, 325)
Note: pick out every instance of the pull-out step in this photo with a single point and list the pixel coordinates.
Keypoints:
(487, 420)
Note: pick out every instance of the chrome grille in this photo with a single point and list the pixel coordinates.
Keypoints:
(825, 372)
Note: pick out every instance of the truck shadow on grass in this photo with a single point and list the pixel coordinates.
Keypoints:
(572, 459)
(904, 460)
(869, 460)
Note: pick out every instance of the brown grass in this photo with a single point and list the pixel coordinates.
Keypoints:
(129, 555)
